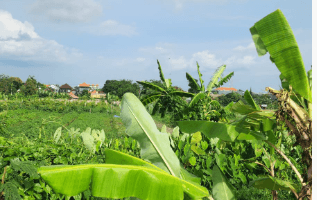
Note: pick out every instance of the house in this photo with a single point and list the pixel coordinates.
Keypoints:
(97, 94)
(65, 88)
(94, 86)
(82, 87)
(225, 90)
(54, 87)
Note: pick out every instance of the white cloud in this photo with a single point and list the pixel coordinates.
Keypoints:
(246, 60)
(206, 59)
(14, 29)
(178, 63)
(251, 46)
(19, 41)
(140, 59)
(67, 11)
(112, 27)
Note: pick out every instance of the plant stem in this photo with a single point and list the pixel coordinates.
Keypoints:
(288, 161)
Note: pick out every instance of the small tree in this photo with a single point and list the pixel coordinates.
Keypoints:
(30, 86)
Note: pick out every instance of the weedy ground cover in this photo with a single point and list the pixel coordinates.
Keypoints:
(30, 122)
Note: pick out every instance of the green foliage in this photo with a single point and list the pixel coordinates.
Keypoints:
(30, 87)
(120, 87)
(85, 95)
(224, 100)
(9, 85)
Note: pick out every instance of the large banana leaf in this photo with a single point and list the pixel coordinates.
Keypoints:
(222, 189)
(247, 96)
(117, 181)
(155, 146)
(222, 131)
(196, 98)
(151, 86)
(182, 94)
(192, 82)
(272, 184)
(215, 78)
(150, 98)
(161, 73)
(200, 79)
(224, 79)
(195, 191)
(273, 34)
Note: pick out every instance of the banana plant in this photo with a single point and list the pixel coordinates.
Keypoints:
(166, 98)
(158, 176)
(216, 80)
(273, 34)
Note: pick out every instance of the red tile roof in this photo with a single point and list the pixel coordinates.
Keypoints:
(72, 95)
(226, 89)
(84, 85)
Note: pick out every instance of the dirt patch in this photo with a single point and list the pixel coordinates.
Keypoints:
(159, 127)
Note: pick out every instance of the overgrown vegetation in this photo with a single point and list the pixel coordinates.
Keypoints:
(233, 152)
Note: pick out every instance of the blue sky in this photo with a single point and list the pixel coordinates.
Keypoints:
(93, 41)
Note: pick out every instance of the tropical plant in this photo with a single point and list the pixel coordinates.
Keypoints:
(163, 179)
(216, 81)
(272, 34)
(166, 98)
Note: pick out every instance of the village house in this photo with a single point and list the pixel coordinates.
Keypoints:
(97, 94)
(82, 87)
(65, 88)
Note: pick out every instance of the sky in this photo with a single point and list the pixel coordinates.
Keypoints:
(92, 41)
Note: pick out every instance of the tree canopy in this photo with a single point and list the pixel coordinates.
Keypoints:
(120, 87)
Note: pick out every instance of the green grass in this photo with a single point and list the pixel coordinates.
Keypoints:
(32, 122)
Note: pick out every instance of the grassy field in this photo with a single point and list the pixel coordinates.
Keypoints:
(32, 122)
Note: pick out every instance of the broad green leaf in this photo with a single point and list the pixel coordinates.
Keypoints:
(196, 138)
(151, 86)
(252, 135)
(88, 140)
(273, 34)
(182, 94)
(119, 158)
(150, 98)
(284, 82)
(202, 87)
(57, 134)
(190, 177)
(161, 72)
(272, 183)
(196, 98)
(163, 129)
(310, 78)
(155, 146)
(215, 78)
(192, 161)
(192, 82)
(175, 132)
(247, 96)
(118, 181)
(222, 131)
(222, 189)
(224, 79)
(242, 109)
(197, 150)
(168, 83)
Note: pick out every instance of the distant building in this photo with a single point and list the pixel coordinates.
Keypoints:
(94, 86)
(65, 88)
(72, 95)
(83, 86)
(225, 90)
(97, 94)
